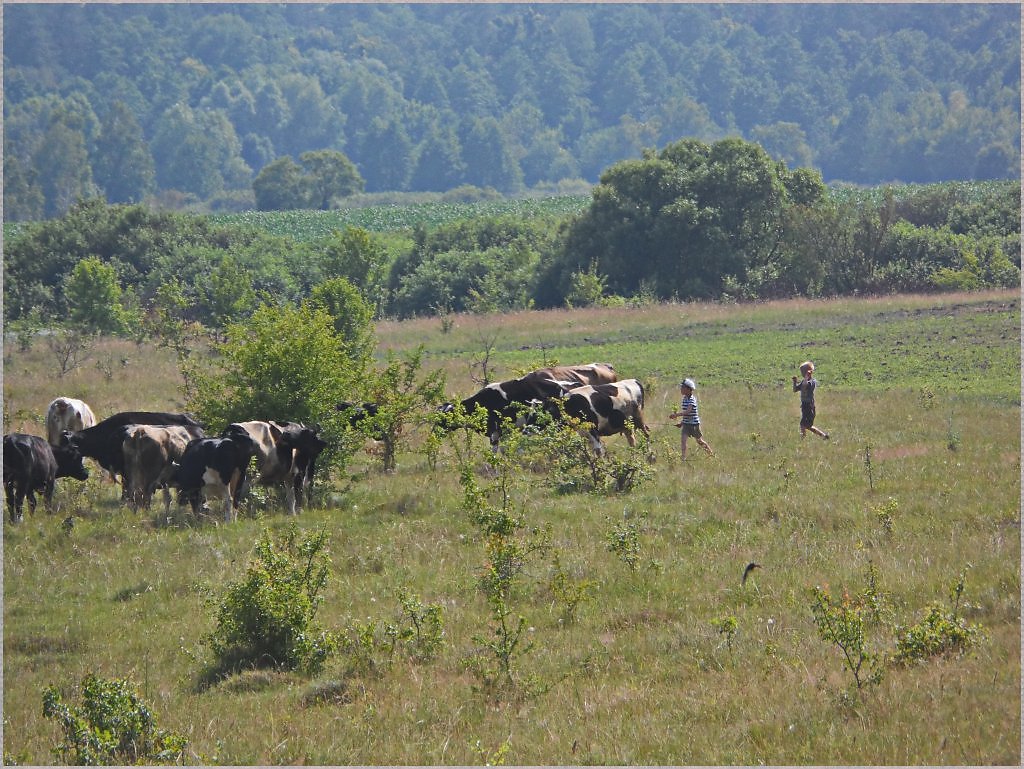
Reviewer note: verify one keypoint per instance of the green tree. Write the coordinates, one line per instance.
(351, 314)
(281, 186)
(94, 298)
(227, 292)
(281, 363)
(330, 175)
(123, 166)
(356, 254)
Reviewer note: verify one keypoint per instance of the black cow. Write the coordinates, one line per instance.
(307, 445)
(30, 465)
(104, 440)
(609, 409)
(510, 400)
(213, 466)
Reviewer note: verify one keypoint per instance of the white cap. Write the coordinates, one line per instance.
(688, 383)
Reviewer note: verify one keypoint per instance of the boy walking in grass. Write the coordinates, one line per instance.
(805, 386)
(691, 419)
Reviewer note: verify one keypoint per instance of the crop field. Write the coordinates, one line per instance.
(644, 638)
(314, 225)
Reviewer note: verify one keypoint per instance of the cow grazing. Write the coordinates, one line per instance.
(510, 400)
(213, 467)
(104, 442)
(609, 409)
(585, 374)
(67, 414)
(30, 465)
(284, 450)
(149, 455)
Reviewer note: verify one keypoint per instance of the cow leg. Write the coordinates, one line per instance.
(289, 498)
(13, 501)
(48, 495)
(630, 438)
(595, 443)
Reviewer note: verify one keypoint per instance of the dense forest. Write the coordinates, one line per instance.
(187, 105)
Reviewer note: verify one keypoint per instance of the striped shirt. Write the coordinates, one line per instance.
(688, 407)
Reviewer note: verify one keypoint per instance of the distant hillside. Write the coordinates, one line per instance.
(185, 103)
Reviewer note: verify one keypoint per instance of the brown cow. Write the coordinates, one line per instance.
(587, 374)
(150, 452)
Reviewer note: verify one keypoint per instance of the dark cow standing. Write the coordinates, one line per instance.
(610, 409)
(285, 454)
(509, 400)
(213, 467)
(307, 446)
(30, 465)
(104, 442)
(584, 374)
(149, 454)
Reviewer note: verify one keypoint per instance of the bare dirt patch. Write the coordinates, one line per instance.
(901, 452)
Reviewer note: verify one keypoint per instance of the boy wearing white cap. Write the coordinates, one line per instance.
(691, 419)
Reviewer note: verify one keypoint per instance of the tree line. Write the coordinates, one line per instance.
(188, 105)
(689, 221)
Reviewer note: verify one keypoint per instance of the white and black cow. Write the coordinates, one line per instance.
(609, 409)
(150, 452)
(104, 441)
(30, 465)
(67, 414)
(583, 374)
(284, 451)
(213, 467)
(510, 400)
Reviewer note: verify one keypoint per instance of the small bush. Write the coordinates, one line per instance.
(112, 726)
(940, 632)
(267, 618)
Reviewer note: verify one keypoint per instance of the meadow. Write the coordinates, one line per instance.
(668, 658)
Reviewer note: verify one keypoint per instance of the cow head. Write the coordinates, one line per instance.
(70, 463)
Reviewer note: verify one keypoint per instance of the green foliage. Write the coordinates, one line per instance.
(842, 623)
(94, 298)
(111, 726)
(403, 393)
(624, 541)
(569, 592)
(886, 514)
(940, 632)
(726, 626)
(423, 633)
(267, 619)
(314, 182)
(282, 363)
(509, 547)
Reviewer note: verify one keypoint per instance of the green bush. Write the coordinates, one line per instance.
(112, 726)
(267, 618)
(940, 632)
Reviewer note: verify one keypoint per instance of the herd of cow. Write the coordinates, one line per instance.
(151, 450)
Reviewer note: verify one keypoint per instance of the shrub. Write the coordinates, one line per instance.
(112, 726)
(842, 623)
(940, 632)
(267, 618)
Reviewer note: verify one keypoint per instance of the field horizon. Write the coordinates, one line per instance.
(675, 657)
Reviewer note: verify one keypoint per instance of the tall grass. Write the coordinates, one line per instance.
(643, 675)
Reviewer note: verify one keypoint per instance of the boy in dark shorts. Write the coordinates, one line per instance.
(691, 420)
(806, 388)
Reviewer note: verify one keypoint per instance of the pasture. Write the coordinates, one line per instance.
(669, 659)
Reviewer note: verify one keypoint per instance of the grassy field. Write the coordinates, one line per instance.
(675, 662)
